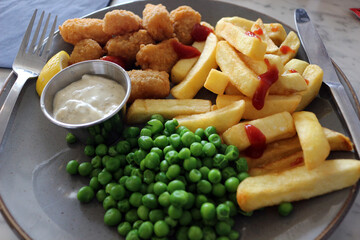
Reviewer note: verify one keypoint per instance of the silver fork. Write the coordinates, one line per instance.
(28, 63)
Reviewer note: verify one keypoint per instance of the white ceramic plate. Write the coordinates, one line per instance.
(38, 196)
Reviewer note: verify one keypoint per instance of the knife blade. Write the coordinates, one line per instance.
(317, 54)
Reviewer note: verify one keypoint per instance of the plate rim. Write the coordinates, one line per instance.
(325, 233)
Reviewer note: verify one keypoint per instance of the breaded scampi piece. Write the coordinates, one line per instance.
(86, 49)
(161, 56)
(156, 20)
(77, 29)
(119, 22)
(149, 84)
(184, 18)
(126, 46)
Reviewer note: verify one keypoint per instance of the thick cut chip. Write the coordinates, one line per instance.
(296, 184)
(142, 109)
(259, 29)
(313, 75)
(274, 127)
(242, 77)
(283, 148)
(241, 40)
(289, 48)
(313, 141)
(232, 90)
(196, 78)
(296, 65)
(288, 83)
(288, 162)
(183, 66)
(273, 104)
(216, 81)
(221, 119)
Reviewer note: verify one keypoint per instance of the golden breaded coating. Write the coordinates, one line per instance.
(86, 49)
(156, 20)
(119, 22)
(161, 56)
(126, 46)
(77, 29)
(148, 84)
(184, 18)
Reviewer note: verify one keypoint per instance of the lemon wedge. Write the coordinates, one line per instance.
(52, 67)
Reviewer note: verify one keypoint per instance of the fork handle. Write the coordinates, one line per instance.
(10, 101)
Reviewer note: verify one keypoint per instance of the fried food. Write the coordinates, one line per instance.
(77, 29)
(119, 22)
(127, 46)
(184, 18)
(148, 84)
(156, 20)
(86, 49)
(161, 56)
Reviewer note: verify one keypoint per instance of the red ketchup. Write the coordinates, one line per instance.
(251, 34)
(257, 140)
(114, 59)
(184, 51)
(274, 28)
(307, 81)
(258, 31)
(199, 32)
(266, 80)
(286, 49)
(292, 71)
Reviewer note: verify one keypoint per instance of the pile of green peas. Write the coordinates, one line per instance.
(163, 181)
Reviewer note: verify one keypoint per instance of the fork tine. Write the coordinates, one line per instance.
(36, 34)
(38, 48)
(25, 40)
(46, 50)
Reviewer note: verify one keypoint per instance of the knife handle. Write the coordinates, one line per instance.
(348, 113)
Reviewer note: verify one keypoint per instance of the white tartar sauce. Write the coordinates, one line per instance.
(88, 99)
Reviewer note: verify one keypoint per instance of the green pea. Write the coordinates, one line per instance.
(188, 138)
(195, 233)
(112, 164)
(158, 117)
(143, 212)
(104, 177)
(242, 176)
(161, 141)
(209, 233)
(200, 200)
(190, 201)
(204, 172)
(96, 162)
(131, 216)
(124, 228)
(204, 186)
(172, 157)
(175, 185)
(94, 183)
(200, 132)
(161, 229)
(135, 199)
(214, 175)
(170, 221)
(156, 215)
(131, 132)
(85, 168)
(123, 147)
(139, 155)
(145, 142)
(190, 163)
(145, 132)
(85, 194)
(215, 139)
(196, 149)
(133, 142)
(99, 139)
(89, 150)
(218, 190)
(152, 160)
(101, 150)
(171, 125)
(146, 230)
(159, 188)
(72, 167)
(209, 149)
(164, 166)
(117, 192)
(123, 205)
(175, 140)
(161, 177)
(133, 183)
(222, 228)
(112, 217)
(181, 233)
(156, 126)
(228, 172)
(118, 174)
(232, 153)
(186, 218)
(179, 198)
(220, 161)
(234, 235)
(149, 200)
(164, 199)
(285, 209)
(70, 138)
(175, 212)
(195, 213)
(210, 130)
(168, 149)
(100, 195)
(231, 184)
(184, 153)
(241, 165)
(208, 211)
(222, 212)
(195, 175)
(173, 171)
(158, 151)
(109, 202)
